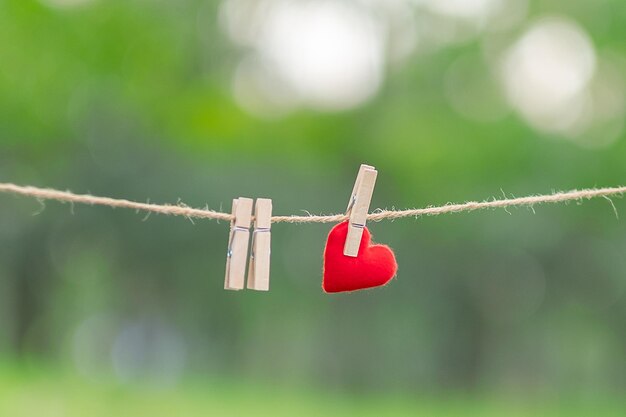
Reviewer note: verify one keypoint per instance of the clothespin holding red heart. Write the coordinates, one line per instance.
(351, 262)
(358, 207)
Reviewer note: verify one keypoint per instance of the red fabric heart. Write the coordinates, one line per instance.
(375, 265)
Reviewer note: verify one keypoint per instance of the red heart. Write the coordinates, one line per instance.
(375, 265)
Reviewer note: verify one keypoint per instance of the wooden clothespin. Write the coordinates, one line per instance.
(259, 269)
(238, 244)
(358, 207)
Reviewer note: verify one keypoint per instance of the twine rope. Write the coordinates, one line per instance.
(378, 215)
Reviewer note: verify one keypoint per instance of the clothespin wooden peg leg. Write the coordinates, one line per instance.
(259, 270)
(238, 244)
(358, 207)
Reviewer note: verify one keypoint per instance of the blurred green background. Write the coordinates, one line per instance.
(108, 312)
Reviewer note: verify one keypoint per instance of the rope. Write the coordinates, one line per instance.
(378, 215)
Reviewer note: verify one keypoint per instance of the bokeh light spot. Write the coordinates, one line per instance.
(66, 3)
(330, 55)
(546, 74)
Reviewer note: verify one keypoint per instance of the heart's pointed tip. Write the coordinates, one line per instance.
(336, 290)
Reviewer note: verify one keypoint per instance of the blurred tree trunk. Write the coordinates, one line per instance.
(32, 289)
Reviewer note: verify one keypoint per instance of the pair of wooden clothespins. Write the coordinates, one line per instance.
(259, 267)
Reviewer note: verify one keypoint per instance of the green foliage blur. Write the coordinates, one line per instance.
(135, 99)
